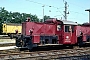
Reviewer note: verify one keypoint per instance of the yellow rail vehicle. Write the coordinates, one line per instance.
(10, 28)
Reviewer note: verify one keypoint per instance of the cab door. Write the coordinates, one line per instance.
(67, 34)
(74, 36)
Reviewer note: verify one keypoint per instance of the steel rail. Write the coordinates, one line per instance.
(46, 54)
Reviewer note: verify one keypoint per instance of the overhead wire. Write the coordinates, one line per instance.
(75, 4)
(76, 11)
(55, 7)
(46, 5)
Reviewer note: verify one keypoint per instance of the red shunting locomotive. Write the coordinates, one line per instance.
(52, 32)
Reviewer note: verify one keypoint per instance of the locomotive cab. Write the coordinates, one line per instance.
(69, 32)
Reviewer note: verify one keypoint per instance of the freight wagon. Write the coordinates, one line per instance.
(11, 28)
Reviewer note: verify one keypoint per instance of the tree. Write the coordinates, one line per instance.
(14, 17)
(3, 14)
(34, 18)
(3, 17)
(45, 18)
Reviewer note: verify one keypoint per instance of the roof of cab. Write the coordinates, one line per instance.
(69, 22)
(63, 21)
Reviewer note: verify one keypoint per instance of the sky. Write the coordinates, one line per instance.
(76, 8)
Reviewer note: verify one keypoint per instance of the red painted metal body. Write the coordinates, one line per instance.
(53, 32)
(51, 28)
(69, 37)
(74, 35)
(85, 30)
(38, 28)
(36, 39)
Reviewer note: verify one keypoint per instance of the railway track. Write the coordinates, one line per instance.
(7, 44)
(4, 37)
(6, 41)
(67, 54)
(52, 54)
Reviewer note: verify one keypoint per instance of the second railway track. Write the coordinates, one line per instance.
(4, 37)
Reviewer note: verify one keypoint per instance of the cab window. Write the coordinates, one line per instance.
(58, 27)
(67, 28)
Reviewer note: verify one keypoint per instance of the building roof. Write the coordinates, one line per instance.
(12, 24)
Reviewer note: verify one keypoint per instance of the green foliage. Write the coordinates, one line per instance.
(79, 24)
(45, 18)
(0, 28)
(16, 17)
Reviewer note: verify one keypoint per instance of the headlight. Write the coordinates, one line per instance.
(67, 37)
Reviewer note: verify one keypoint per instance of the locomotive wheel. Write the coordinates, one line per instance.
(19, 42)
(11, 36)
(8, 34)
(88, 40)
(30, 46)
